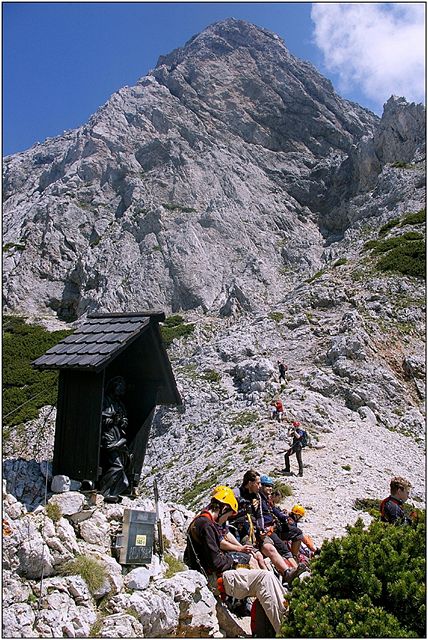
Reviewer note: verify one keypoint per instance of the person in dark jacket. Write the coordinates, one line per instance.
(391, 508)
(222, 569)
(296, 447)
(247, 495)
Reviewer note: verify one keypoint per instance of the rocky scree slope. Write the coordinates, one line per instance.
(217, 176)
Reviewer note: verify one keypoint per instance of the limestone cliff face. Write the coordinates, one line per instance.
(213, 182)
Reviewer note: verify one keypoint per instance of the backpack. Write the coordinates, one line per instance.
(304, 439)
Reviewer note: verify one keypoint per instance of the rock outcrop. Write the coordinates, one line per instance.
(215, 178)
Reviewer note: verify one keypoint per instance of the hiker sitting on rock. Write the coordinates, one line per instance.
(272, 410)
(203, 550)
(247, 495)
(271, 545)
(294, 535)
(391, 508)
(296, 448)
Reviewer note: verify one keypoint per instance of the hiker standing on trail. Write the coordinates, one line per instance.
(223, 576)
(296, 447)
(391, 508)
(282, 368)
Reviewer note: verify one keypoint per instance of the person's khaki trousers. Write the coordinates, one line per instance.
(260, 584)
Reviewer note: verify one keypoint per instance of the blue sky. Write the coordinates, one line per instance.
(61, 61)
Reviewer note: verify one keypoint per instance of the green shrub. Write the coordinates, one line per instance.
(91, 570)
(23, 385)
(408, 258)
(245, 418)
(173, 328)
(414, 218)
(316, 275)
(370, 583)
(339, 262)
(53, 511)
(277, 316)
(401, 165)
(391, 243)
(389, 225)
(174, 566)
(285, 489)
(346, 467)
(212, 375)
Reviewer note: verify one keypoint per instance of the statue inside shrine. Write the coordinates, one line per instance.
(116, 459)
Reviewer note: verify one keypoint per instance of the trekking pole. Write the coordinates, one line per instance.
(158, 520)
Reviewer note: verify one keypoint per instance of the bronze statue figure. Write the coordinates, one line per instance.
(116, 459)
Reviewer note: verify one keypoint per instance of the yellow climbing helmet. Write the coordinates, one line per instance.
(225, 495)
(298, 510)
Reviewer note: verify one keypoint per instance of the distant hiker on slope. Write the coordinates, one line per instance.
(282, 368)
(299, 442)
(391, 508)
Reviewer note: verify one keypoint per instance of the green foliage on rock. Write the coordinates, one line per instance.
(277, 316)
(173, 328)
(23, 385)
(408, 258)
(368, 584)
(418, 217)
(174, 565)
(90, 569)
(53, 511)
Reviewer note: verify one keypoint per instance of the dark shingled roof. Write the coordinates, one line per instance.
(99, 340)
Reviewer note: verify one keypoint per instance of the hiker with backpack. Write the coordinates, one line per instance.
(391, 508)
(282, 368)
(300, 440)
(226, 575)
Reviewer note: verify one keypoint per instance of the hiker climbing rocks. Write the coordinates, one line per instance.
(282, 368)
(298, 435)
(391, 508)
(279, 410)
(272, 410)
(203, 546)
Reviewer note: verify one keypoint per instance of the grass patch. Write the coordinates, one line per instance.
(13, 245)
(91, 570)
(316, 275)
(245, 418)
(284, 488)
(192, 494)
(171, 206)
(346, 467)
(211, 375)
(276, 316)
(25, 390)
(174, 566)
(340, 262)
(174, 328)
(389, 225)
(53, 511)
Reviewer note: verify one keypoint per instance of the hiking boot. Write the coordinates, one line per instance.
(291, 574)
(301, 474)
(287, 472)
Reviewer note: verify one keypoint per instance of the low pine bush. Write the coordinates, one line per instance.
(174, 327)
(368, 584)
(23, 386)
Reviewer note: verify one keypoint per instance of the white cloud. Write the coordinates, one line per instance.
(377, 47)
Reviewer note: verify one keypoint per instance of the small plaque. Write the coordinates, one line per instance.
(140, 540)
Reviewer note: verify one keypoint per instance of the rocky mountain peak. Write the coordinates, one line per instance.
(226, 169)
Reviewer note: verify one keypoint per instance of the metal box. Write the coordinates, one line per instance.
(137, 539)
